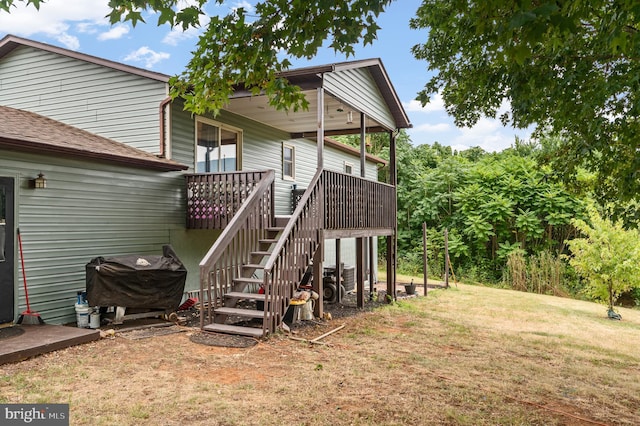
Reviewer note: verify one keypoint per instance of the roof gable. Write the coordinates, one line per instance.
(27, 131)
(11, 42)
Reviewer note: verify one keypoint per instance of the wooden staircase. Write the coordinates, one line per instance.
(241, 304)
(259, 261)
(256, 251)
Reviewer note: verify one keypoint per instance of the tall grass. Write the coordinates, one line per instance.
(542, 273)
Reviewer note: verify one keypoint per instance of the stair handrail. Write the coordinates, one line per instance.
(248, 211)
(277, 296)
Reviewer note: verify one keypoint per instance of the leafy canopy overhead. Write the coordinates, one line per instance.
(242, 48)
(570, 68)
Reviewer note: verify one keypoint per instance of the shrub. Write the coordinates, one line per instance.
(608, 257)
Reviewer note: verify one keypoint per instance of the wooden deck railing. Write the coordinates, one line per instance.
(214, 198)
(333, 202)
(293, 252)
(356, 203)
(223, 263)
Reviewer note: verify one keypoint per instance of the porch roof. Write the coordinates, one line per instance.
(26, 131)
(309, 79)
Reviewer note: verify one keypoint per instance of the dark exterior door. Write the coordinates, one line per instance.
(7, 250)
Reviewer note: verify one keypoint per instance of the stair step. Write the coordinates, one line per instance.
(249, 296)
(253, 266)
(275, 229)
(248, 280)
(234, 329)
(269, 240)
(239, 312)
(261, 253)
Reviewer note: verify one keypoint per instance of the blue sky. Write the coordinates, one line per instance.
(80, 25)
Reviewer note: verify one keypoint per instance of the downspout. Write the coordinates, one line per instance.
(363, 145)
(320, 129)
(163, 143)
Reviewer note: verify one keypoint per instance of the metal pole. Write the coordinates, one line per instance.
(446, 258)
(425, 266)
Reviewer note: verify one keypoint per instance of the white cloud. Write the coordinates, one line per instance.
(146, 56)
(87, 27)
(68, 41)
(432, 124)
(433, 127)
(488, 134)
(436, 104)
(114, 33)
(53, 19)
(177, 35)
(248, 7)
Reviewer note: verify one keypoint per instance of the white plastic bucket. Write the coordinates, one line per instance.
(94, 319)
(82, 315)
(306, 313)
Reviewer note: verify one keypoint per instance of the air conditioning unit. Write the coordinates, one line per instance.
(349, 278)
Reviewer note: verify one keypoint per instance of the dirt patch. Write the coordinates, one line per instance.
(223, 340)
(151, 332)
(9, 332)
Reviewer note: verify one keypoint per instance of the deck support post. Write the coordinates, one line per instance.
(360, 271)
(392, 240)
(318, 285)
(372, 283)
(338, 270)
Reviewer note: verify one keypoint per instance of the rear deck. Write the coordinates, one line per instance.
(27, 341)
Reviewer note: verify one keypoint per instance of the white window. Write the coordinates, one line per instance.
(288, 162)
(348, 168)
(218, 147)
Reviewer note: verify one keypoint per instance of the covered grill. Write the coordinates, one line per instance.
(148, 282)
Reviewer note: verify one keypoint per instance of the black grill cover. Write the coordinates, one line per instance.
(137, 281)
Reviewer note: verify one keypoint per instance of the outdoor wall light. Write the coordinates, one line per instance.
(350, 117)
(40, 182)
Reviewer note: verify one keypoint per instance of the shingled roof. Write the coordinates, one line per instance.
(25, 131)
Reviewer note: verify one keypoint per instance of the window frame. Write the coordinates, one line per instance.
(220, 126)
(348, 164)
(292, 147)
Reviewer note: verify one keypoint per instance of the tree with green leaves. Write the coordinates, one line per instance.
(607, 257)
(243, 51)
(494, 204)
(569, 68)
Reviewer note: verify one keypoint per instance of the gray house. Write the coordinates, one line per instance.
(96, 160)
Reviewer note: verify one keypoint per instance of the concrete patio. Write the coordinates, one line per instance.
(25, 341)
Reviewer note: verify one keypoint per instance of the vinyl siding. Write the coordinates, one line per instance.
(87, 210)
(262, 150)
(358, 89)
(183, 136)
(101, 100)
